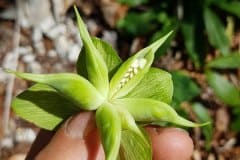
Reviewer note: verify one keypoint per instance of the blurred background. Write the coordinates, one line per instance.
(203, 56)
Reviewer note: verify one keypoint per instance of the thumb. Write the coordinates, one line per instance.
(77, 139)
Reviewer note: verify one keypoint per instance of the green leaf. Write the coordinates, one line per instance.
(216, 32)
(135, 24)
(109, 124)
(235, 125)
(133, 70)
(194, 41)
(72, 86)
(43, 106)
(231, 7)
(97, 71)
(224, 90)
(185, 89)
(149, 110)
(134, 147)
(203, 116)
(156, 84)
(133, 3)
(230, 61)
(108, 53)
(170, 25)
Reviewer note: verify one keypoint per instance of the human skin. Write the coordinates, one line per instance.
(79, 139)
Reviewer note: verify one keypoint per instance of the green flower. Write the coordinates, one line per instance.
(125, 96)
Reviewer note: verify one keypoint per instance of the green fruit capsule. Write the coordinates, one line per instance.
(109, 124)
(97, 71)
(71, 86)
(133, 70)
(149, 110)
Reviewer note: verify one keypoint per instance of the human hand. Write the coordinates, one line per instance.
(78, 139)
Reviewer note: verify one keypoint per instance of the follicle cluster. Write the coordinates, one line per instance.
(132, 71)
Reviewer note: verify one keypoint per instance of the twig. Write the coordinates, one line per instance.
(10, 79)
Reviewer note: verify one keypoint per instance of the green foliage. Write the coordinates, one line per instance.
(203, 116)
(231, 61)
(133, 2)
(185, 89)
(190, 19)
(216, 31)
(225, 90)
(138, 23)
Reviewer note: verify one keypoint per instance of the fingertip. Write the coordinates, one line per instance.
(76, 139)
(170, 143)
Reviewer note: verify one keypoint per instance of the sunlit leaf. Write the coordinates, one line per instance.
(224, 90)
(230, 61)
(216, 31)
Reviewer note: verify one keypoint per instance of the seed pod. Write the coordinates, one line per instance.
(96, 68)
(71, 86)
(132, 71)
(109, 124)
(149, 110)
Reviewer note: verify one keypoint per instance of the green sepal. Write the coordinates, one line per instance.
(97, 71)
(134, 143)
(109, 124)
(149, 110)
(108, 53)
(43, 106)
(125, 79)
(72, 86)
(156, 84)
(134, 147)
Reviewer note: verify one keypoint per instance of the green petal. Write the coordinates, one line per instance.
(156, 84)
(149, 111)
(43, 106)
(97, 71)
(109, 124)
(132, 71)
(72, 86)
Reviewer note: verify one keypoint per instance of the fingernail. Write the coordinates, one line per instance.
(78, 126)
